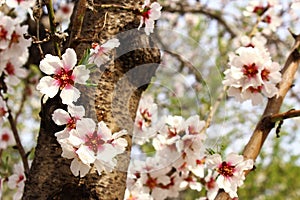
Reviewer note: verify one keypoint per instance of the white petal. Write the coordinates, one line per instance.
(69, 95)
(60, 117)
(104, 131)
(110, 44)
(50, 64)
(47, 86)
(69, 59)
(78, 167)
(85, 126)
(85, 155)
(81, 74)
(76, 111)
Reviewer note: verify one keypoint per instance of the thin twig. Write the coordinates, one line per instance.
(52, 22)
(286, 115)
(21, 150)
(198, 8)
(213, 109)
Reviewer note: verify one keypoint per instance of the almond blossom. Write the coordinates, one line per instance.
(62, 117)
(268, 14)
(86, 146)
(17, 181)
(252, 75)
(145, 120)
(149, 13)
(231, 171)
(63, 75)
(99, 53)
(6, 138)
(3, 110)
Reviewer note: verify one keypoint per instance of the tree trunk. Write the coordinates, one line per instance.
(115, 100)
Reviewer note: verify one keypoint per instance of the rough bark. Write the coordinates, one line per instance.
(115, 99)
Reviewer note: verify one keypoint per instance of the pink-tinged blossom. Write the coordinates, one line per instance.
(171, 127)
(150, 12)
(14, 71)
(64, 12)
(17, 181)
(146, 118)
(62, 117)
(6, 30)
(63, 74)
(98, 147)
(78, 168)
(3, 110)
(189, 180)
(252, 75)
(231, 171)
(269, 19)
(21, 7)
(6, 138)
(99, 54)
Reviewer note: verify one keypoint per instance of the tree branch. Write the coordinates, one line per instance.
(199, 9)
(265, 125)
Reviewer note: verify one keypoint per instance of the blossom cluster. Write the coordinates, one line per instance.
(13, 50)
(252, 75)
(267, 13)
(178, 159)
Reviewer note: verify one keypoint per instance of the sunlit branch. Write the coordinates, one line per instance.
(265, 125)
(199, 9)
(285, 115)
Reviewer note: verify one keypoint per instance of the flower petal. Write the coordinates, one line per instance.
(69, 59)
(47, 86)
(69, 95)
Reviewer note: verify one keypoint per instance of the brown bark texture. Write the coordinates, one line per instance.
(120, 84)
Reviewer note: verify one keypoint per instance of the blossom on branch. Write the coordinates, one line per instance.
(17, 180)
(63, 74)
(251, 75)
(62, 117)
(149, 13)
(231, 171)
(99, 53)
(87, 146)
(6, 138)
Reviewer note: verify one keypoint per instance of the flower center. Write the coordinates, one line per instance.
(2, 112)
(10, 69)
(255, 90)
(211, 183)
(71, 123)
(226, 169)
(267, 19)
(14, 38)
(250, 70)
(151, 182)
(265, 75)
(146, 13)
(65, 9)
(64, 78)
(259, 10)
(146, 116)
(192, 130)
(172, 132)
(3, 33)
(5, 137)
(94, 142)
